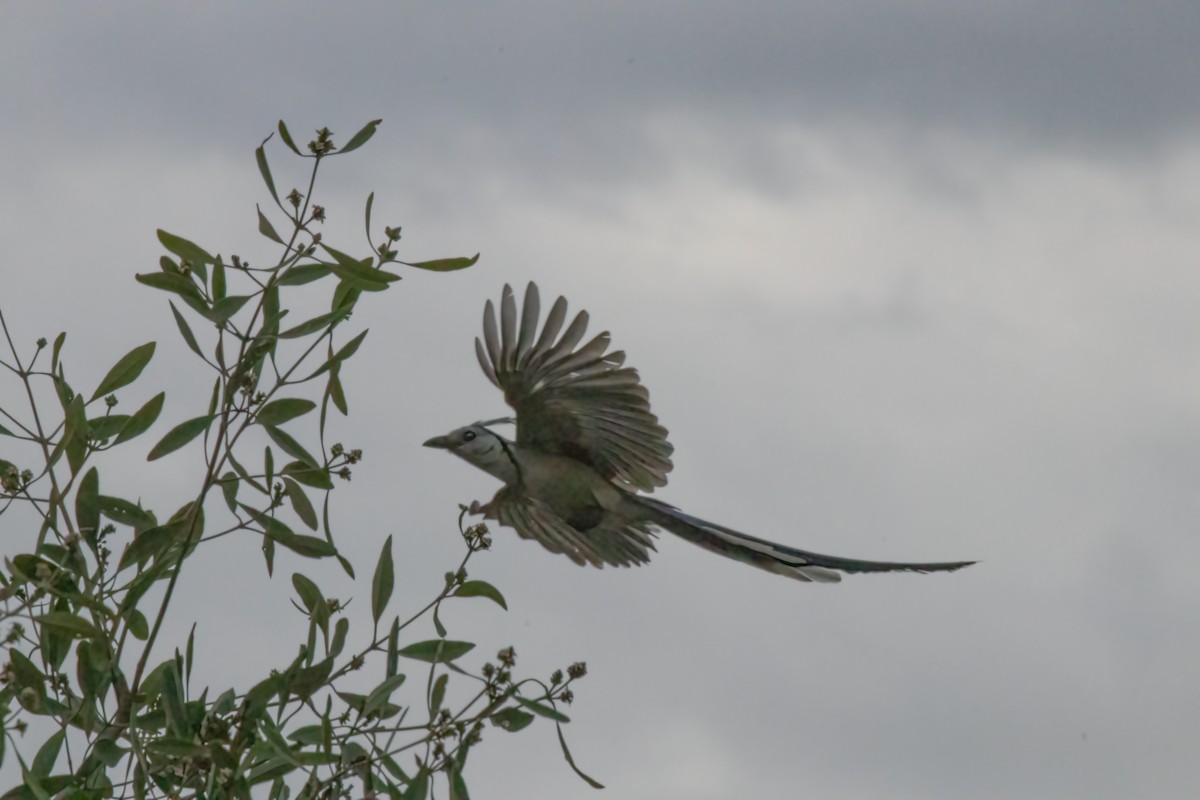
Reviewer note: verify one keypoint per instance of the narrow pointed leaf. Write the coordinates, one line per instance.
(302, 274)
(361, 138)
(125, 371)
(384, 580)
(260, 155)
(225, 308)
(287, 138)
(185, 330)
(142, 419)
(218, 280)
(184, 248)
(179, 436)
(481, 589)
(172, 282)
(70, 624)
(436, 651)
(266, 228)
(87, 505)
(280, 411)
(315, 324)
(443, 264)
(300, 503)
(290, 446)
(595, 784)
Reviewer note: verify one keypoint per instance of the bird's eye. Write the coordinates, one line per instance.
(468, 436)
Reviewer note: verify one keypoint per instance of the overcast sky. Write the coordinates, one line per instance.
(905, 281)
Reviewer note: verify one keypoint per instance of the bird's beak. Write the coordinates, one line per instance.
(439, 441)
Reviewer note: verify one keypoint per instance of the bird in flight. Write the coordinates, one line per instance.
(587, 446)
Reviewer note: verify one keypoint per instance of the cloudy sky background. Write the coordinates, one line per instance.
(905, 280)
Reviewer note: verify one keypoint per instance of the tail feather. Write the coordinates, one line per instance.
(780, 559)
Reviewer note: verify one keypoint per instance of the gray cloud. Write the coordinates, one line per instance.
(904, 281)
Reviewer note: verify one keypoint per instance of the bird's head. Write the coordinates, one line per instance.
(476, 443)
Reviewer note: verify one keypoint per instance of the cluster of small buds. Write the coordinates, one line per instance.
(318, 213)
(344, 473)
(41, 343)
(214, 728)
(110, 400)
(13, 480)
(577, 670)
(237, 262)
(323, 144)
(477, 537)
(294, 197)
(497, 678)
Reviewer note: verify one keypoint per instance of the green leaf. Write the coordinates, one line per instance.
(316, 324)
(335, 391)
(512, 719)
(309, 476)
(458, 785)
(287, 138)
(101, 428)
(266, 228)
(47, 754)
(185, 330)
(276, 531)
(125, 371)
(436, 651)
(185, 249)
(26, 673)
(280, 411)
(125, 512)
(595, 784)
(180, 435)
(87, 505)
(218, 280)
(481, 589)
(384, 580)
(226, 307)
(418, 788)
(393, 647)
(542, 710)
(379, 696)
(443, 264)
(58, 344)
(142, 419)
(310, 594)
(302, 274)
(359, 271)
(367, 214)
(290, 446)
(137, 624)
(300, 503)
(260, 155)
(174, 282)
(70, 624)
(148, 544)
(347, 350)
(360, 138)
(75, 433)
(229, 488)
(438, 694)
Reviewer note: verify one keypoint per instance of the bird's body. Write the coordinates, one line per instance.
(587, 445)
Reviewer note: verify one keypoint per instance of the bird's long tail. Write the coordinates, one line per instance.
(799, 564)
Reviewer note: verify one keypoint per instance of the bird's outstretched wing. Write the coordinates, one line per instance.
(613, 541)
(577, 401)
